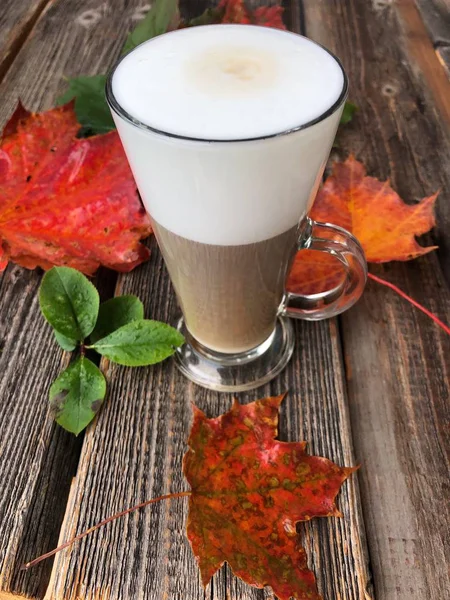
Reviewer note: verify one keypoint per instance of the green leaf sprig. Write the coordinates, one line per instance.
(115, 329)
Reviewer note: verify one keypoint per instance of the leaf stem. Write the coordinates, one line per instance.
(82, 349)
(37, 560)
(432, 316)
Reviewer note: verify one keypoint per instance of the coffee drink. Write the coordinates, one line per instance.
(203, 115)
(229, 295)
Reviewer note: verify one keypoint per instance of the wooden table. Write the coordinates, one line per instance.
(369, 387)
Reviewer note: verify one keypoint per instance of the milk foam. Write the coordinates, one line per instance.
(227, 82)
(254, 82)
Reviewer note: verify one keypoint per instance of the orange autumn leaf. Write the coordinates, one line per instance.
(236, 11)
(67, 201)
(269, 16)
(385, 226)
(248, 491)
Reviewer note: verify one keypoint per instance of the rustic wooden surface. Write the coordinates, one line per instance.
(443, 55)
(142, 433)
(398, 367)
(436, 16)
(16, 22)
(38, 459)
(376, 380)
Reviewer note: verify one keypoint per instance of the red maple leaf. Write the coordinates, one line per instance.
(236, 11)
(67, 201)
(248, 492)
(269, 16)
(384, 225)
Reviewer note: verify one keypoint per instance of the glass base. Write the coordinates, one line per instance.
(236, 372)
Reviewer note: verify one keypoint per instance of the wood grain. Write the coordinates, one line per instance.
(396, 360)
(134, 452)
(443, 55)
(141, 435)
(38, 459)
(436, 16)
(423, 59)
(16, 22)
(395, 363)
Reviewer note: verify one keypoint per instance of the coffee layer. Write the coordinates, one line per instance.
(229, 295)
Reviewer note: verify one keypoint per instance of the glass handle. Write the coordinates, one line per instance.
(341, 244)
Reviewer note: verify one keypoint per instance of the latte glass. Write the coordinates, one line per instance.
(229, 193)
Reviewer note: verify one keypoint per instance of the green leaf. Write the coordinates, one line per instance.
(157, 21)
(348, 112)
(91, 107)
(115, 313)
(69, 302)
(77, 394)
(66, 343)
(208, 17)
(140, 343)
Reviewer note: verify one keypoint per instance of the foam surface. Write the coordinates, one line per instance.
(227, 82)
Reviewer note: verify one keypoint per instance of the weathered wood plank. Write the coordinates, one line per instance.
(396, 358)
(141, 433)
(401, 129)
(134, 452)
(423, 59)
(38, 459)
(443, 55)
(436, 16)
(16, 22)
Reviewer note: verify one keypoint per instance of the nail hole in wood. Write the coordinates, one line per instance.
(389, 90)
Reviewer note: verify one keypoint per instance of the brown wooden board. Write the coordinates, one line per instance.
(397, 360)
(37, 458)
(16, 21)
(134, 452)
(443, 55)
(436, 16)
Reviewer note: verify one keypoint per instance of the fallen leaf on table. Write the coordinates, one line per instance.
(163, 16)
(236, 11)
(269, 16)
(77, 395)
(347, 114)
(67, 201)
(376, 215)
(248, 492)
(91, 108)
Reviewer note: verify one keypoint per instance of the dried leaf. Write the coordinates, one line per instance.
(67, 201)
(235, 11)
(249, 491)
(269, 16)
(238, 12)
(385, 226)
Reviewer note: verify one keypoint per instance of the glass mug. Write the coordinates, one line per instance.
(229, 214)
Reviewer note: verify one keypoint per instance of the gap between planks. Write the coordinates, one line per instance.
(422, 51)
(18, 36)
